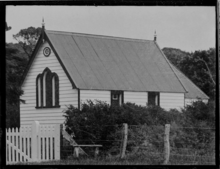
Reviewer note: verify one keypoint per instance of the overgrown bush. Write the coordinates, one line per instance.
(200, 114)
(99, 123)
(93, 124)
(199, 123)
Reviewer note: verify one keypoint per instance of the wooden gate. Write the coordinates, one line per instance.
(33, 143)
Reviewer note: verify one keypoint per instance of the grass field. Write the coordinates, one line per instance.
(132, 160)
(92, 162)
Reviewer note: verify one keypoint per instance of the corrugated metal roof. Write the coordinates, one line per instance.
(193, 90)
(110, 63)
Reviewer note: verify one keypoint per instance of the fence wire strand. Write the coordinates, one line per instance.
(149, 141)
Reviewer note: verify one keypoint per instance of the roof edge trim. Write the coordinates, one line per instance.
(191, 81)
(31, 60)
(170, 66)
(127, 90)
(60, 61)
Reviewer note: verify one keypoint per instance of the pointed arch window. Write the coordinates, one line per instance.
(47, 89)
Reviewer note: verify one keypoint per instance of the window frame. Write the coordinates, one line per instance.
(38, 91)
(45, 96)
(156, 98)
(120, 98)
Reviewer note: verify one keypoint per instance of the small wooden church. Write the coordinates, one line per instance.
(70, 68)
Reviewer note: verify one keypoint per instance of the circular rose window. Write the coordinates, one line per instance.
(46, 51)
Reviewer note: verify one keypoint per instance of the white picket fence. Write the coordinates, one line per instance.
(33, 143)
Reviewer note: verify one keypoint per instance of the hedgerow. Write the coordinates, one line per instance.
(99, 123)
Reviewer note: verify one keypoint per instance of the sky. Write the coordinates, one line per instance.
(185, 28)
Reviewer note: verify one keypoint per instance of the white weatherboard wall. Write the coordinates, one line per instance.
(139, 98)
(67, 95)
(171, 100)
(190, 101)
(95, 95)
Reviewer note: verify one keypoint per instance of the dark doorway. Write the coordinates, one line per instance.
(117, 98)
(153, 98)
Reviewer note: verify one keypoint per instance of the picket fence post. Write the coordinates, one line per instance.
(57, 142)
(124, 137)
(166, 144)
(34, 141)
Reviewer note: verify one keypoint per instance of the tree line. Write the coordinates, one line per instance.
(199, 66)
(17, 57)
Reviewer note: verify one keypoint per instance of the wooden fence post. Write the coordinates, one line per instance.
(62, 127)
(167, 144)
(124, 137)
(34, 141)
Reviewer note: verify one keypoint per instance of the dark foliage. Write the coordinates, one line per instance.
(27, 39)
(15, 65)
(97, 122)
(17, 56)
(198, 66)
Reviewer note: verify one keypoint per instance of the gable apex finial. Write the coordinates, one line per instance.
(43, 24)
(155, 36)
(43, 28)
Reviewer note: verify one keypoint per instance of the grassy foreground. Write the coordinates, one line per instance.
(99, 161)
(132, 160)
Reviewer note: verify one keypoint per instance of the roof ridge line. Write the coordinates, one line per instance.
(98, 36)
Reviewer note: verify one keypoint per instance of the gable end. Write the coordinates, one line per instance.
(39, 43)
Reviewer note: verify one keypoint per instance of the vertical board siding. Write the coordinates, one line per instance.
(95, 95)
(139, 98)
(172, 100)
(67, 95)
(190, 101)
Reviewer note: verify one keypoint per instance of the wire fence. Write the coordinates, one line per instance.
(192, 145)
(187, 145)
(110, 141)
